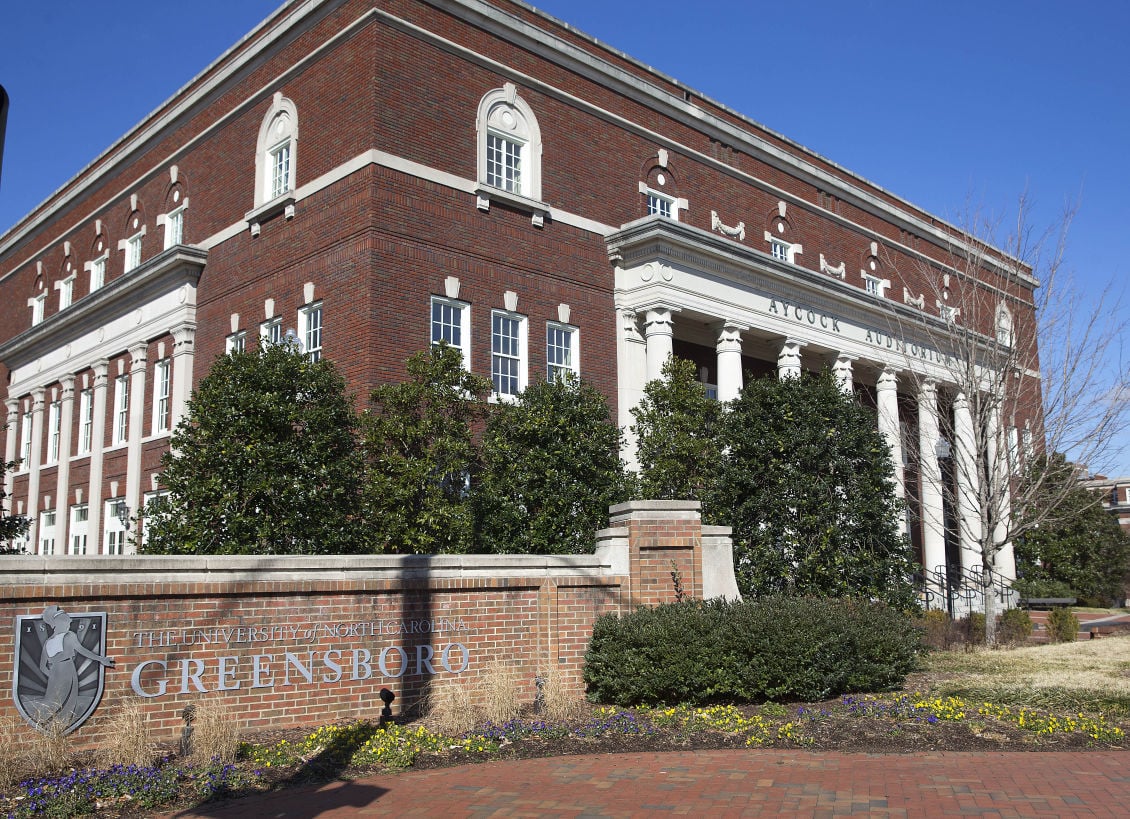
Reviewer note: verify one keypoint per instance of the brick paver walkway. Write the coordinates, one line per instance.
(726, 783)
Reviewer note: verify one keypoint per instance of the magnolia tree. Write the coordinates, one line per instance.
(1019, 367)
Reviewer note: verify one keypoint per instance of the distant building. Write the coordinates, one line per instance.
(371, 176)
(1115, 494)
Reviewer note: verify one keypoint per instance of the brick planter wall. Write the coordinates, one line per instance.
(302, 640)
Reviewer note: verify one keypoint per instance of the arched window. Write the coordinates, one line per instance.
(509, 149)
(276, 159)
(1004, 325)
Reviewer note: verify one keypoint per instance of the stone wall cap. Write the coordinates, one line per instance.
(655, 506)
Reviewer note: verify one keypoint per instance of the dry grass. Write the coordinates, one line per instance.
(562, 701)
(450, 710)
(1089, 675)
(503, 700)
(13, 762)
(50, 750)
(215, 732)
(128, 740)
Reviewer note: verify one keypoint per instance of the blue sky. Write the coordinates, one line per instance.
(943, 104)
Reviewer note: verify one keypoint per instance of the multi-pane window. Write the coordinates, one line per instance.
(162, 373)
(121, 409)
(560, 351)
(86, 421)
(507, 359)
(174, 228)
(271, 332)
(779, 249)
(151, 501)
(310, 328)
(658, 204)
(449, 324)
(54, 430)
(97, 273)
(25, 440)
(80, 514)
(874, 285)
(280, 169)
(66, 292)
(114, 541)
(38, 308)
(133, 252)
(47, 532)
(236, 342)
(504, 163)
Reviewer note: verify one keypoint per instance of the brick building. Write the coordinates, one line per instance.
(374, 175)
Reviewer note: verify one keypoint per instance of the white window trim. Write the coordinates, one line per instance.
(265, 331)
(85, 421)
(128, 246)
(504, 114)
(47, 533)
(677, 204)
(236, 342)
(162, 395)
(25, 441)
(523, 356)
(792, 249)
(947, 312)
(121, 410)
(78, 528)
(271, 139)
(304, 314)
(54, 430)
(168, 220)
(574, 348)
(97, 269)
(66, 288)
(464, 309)
(112, 528)
(146, 499)
(1005, 333)
(880, 285)
(38, 305)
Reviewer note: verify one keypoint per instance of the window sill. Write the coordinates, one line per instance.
(485, 194)
(282, 204)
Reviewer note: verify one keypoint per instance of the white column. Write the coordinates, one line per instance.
(138, 362)
(35, 460)
(930, 479)
(12, 419)
(841, 370)
(63, 474)
(788, 361)
(887, 408)
(968, 484)
(659, 332)
(183, 345)
(1005, 561)
(729, 350)
(631, 353)
(97, 442)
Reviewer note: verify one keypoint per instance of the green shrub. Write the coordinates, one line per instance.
(772, 649)
(1015, 626)
(1063, 625)
(1029, 588)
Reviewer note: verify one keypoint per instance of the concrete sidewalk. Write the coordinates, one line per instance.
(726, 783)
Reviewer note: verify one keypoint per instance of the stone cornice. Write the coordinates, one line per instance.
(166, 271)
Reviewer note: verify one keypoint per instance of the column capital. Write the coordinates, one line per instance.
(67, 382)
(629, 325)
(183, 337)
(659, 319)
(888, 378)
(37, 394)
(101, 370)
(12, 405)
(928, 387)
(730, 336)
(138, 356)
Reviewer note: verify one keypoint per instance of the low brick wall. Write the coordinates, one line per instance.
(302, 640)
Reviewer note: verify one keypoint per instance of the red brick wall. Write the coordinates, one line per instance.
(160, 610)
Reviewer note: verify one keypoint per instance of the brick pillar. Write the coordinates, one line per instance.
(664, 537)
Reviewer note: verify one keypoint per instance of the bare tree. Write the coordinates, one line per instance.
(1018, 368)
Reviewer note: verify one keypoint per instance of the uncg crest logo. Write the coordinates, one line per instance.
(60, 667)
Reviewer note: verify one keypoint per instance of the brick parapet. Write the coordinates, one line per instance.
(301, 640)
